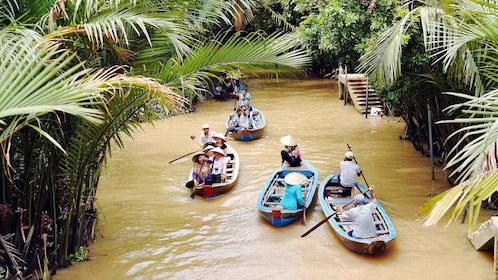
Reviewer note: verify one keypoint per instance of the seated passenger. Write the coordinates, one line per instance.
(220, 141)
(239, 122)
(293, 196)
(291, 156)
(219, 173)
(201, 171)
(361, 216)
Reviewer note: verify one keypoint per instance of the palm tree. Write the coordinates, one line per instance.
(461, 38)
(94, 66)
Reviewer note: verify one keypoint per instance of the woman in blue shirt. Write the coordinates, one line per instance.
(293, 196)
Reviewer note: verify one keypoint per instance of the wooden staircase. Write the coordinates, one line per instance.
(359, 92)
(486, 238)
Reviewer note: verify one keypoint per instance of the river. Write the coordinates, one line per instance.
(151, 229)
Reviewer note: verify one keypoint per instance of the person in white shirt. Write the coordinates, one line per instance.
(240, 121)
(361, 216)
(219, 167)
(206, 136)
(349, 171)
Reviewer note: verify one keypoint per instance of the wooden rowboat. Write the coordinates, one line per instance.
(217, 189)
(331, 195)
(274, 188)
(225, 96)
(251, 133)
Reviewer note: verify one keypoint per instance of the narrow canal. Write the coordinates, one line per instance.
(151, 229)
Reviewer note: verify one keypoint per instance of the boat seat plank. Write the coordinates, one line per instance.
(348, 223)
(339, 200)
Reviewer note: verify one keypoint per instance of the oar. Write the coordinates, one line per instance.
(357, 163)
(193, 192)
(328, 217)
(191, 138)
(304, 209)
(184, 156)
(303, 221)
(231, 116)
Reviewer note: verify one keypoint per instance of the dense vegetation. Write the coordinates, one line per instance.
(77, 75)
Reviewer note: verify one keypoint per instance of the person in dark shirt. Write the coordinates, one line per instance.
(291, 156)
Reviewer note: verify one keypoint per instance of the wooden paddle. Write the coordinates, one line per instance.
(303, 221)
(184, 156)
(328, 217)
(192, 138)
(357, 163)
(192, 196)
(231, 116)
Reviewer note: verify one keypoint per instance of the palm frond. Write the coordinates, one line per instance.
(382, 61)
(479, 131)
(255, 52)
(33, 82)
(11, 255)
(465, 197)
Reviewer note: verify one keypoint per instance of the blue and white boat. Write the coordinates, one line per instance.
(255, 131)
(274, 188)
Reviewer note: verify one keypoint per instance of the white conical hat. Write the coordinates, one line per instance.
(218, 150)
(294, 178)
(288, 141)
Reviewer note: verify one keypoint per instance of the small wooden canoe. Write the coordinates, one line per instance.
(225, 96)
(217, 189)
(331, 195)
(274, 188)
(251, 133)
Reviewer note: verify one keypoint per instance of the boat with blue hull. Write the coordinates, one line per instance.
(253, 132)
(332, 195)
(274, 188)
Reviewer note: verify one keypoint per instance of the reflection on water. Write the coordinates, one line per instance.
(151, 229)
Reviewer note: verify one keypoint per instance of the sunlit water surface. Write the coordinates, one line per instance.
(151, 229)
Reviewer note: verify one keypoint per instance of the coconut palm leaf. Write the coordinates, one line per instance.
(475, 158)
(462, 36)
(33, 83)
(11, 255)
(255, 52)
(105, 23)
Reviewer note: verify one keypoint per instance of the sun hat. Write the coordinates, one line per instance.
(218, 150)
(196, 156)
(208, 148)
(349, 155)
(288, 141)
(360, 199)
(294, 178)
(206, 125)
(220, 136)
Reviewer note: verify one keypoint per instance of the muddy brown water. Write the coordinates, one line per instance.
(151, 229)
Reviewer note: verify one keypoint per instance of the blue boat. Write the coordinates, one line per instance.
(255, 131)
(274, 188)
(331, 195)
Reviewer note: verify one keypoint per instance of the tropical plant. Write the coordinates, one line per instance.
(77, 76)
(337, 32)
(461, 37)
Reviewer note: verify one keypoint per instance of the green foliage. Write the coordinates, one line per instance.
(81, 77)
(338, 32)
(80, 255)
